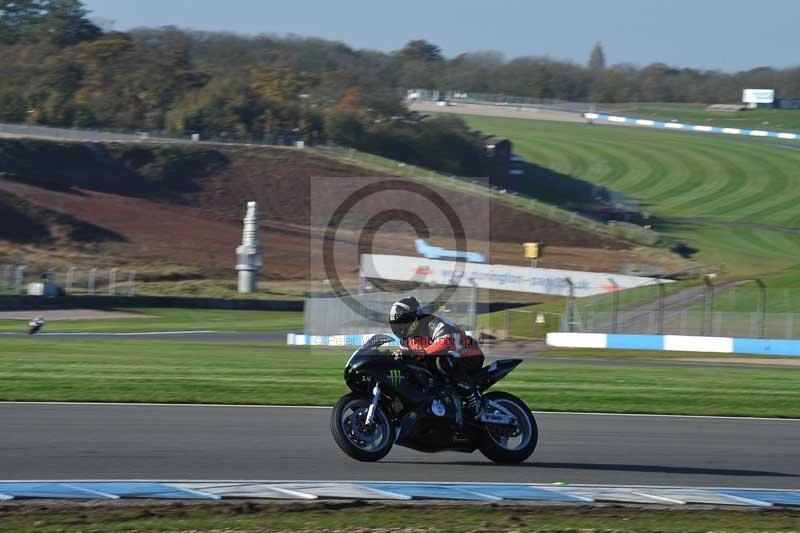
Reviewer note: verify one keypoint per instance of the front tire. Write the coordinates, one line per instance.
(503, 446)
(353, 437)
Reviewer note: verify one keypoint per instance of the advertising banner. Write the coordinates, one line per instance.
(758, 96)
(496, 277)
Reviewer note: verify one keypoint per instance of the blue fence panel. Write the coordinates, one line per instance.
(767, 346)
(635, 342)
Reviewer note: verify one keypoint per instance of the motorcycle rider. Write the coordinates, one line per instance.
(456, 353)
(35, 325)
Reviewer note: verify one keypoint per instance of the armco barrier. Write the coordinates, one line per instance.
(690, 127)
(678, 343)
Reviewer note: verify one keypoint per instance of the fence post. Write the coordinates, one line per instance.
(473, 306)
(661, 294)
(131, 283)
(90, 280)
(112, 281)
(570, 306)
(708, 305)
(18, 277)
(762, 307)
(7, 277)
(615, 307)
(70, 279)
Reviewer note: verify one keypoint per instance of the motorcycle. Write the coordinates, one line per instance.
(35, 325)
(397, 400)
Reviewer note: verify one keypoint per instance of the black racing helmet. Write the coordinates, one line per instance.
(404, 316)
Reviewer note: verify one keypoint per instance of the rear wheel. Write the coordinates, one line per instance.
(357, 439)
(509, 444)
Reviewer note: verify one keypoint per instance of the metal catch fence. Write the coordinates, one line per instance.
(369, 312)
(23, 280)
(748, 309)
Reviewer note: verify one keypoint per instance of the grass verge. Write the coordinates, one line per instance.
(250, 373)
(732, 200)
(359, 516)
(169, 319)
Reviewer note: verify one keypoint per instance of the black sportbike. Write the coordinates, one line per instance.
(400, 401)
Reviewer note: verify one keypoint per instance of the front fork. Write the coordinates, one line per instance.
(376, 397)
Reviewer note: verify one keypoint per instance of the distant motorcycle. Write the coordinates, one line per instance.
(35, 325)
(400, 401)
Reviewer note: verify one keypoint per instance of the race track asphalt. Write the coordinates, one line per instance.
(84, 441)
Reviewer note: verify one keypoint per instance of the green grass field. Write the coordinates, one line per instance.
(785, 120)
(364, 517)
(251, 373)
(166, 319)
(729, 198)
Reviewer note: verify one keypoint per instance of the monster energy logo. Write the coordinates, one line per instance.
(395, 377)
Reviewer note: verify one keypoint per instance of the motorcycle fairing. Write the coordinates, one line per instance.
(489, 375)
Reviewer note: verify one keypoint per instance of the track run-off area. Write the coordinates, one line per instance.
(205, 442)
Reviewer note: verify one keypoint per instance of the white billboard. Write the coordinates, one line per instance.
(758, 96)
(496, 277)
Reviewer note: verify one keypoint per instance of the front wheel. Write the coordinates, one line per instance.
(503, 444)
(355, 438)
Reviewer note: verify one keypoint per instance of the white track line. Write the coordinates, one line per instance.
(259, 406)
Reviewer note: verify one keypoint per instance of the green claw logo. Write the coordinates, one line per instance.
(395, 377)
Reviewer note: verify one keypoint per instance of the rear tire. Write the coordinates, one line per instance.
(360, 443)
(489, 443)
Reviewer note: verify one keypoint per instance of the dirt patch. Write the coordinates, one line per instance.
(197, 223)
(155, 233)
(69, 314)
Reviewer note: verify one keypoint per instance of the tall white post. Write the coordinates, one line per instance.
(131, 283)
(112, 281)
(70, 279)
(19, 276)
(90, 280)
(248, 254)
(7, 283)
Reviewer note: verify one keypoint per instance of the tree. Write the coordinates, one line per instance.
(18, 19)
(349, 102)
(279, 84)
(64, 23)
(421, 50)
(344, 128)
(597, 59)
